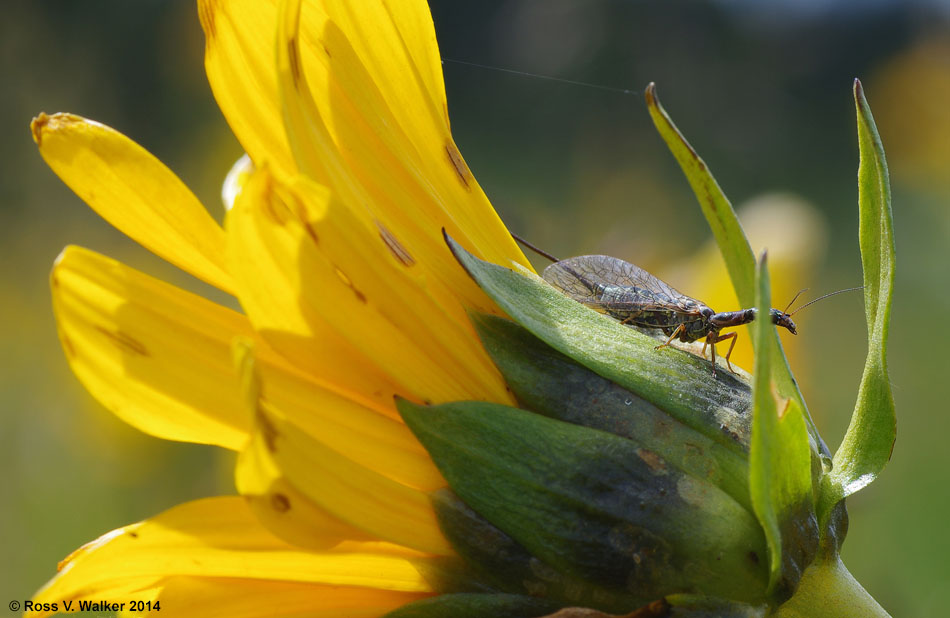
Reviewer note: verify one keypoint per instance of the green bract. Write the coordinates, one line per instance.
(634, 483)
(867, 445)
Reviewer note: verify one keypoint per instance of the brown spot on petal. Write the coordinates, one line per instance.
(133, 534)
(268, 432)
(308, 227)
(279, 502)
(326, 49)
(124, 341)
(393, 244)
(346, 280)
(293, 55)
(299, 211)
(461, 169)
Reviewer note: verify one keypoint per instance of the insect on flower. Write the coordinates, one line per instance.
(633, 296)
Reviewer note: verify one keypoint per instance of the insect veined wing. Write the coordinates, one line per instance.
(601, 280)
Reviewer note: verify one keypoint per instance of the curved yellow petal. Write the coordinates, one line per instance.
(283, 509)
(239, 61)
(268, 284)
(366, 436)
(344, 133)
(219, 539)
(160, 358)
(377, 82)
(249, 598)
(156, 356)
(352, 493)
(135, 192)
(309, 272)
(397, 44)
(271, 491)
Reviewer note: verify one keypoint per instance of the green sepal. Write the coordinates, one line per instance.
(676, 381)
(474, 605)
(452, 574)
(549, 383)
(734, 247)
(780, 462)
(502, 565)
(592, 504)
(866, 447)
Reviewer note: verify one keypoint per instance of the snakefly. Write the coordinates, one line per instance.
(633, 296)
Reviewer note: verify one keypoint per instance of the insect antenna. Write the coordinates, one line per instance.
(540, 252)
(794, 298)
(812, 302)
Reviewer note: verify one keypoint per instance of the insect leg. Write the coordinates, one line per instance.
(676, 332)
(734, 337)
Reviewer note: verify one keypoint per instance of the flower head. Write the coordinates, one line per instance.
(370, 384)
(333, 248)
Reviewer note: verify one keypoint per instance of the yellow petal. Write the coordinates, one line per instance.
(156, 356)
(275, 499)
(268, 289)
(384, 95)
(160, 358)
(397, 44)
(135, 192)
(248, 598)
(362, 433)
(239, 61)
(219, 539)
(348, 491)
(310, 271)
(283, 509)
(344, 132)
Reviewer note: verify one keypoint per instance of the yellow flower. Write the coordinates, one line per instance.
(333, 248)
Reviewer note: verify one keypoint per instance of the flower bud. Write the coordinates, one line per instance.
(608, 489)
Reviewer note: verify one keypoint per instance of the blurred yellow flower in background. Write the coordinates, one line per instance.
(915, 88)
(333, 248)
(795, 235)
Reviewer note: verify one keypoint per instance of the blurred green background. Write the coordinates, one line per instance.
(763, 91)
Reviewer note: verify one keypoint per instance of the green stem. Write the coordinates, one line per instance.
(827, 589)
